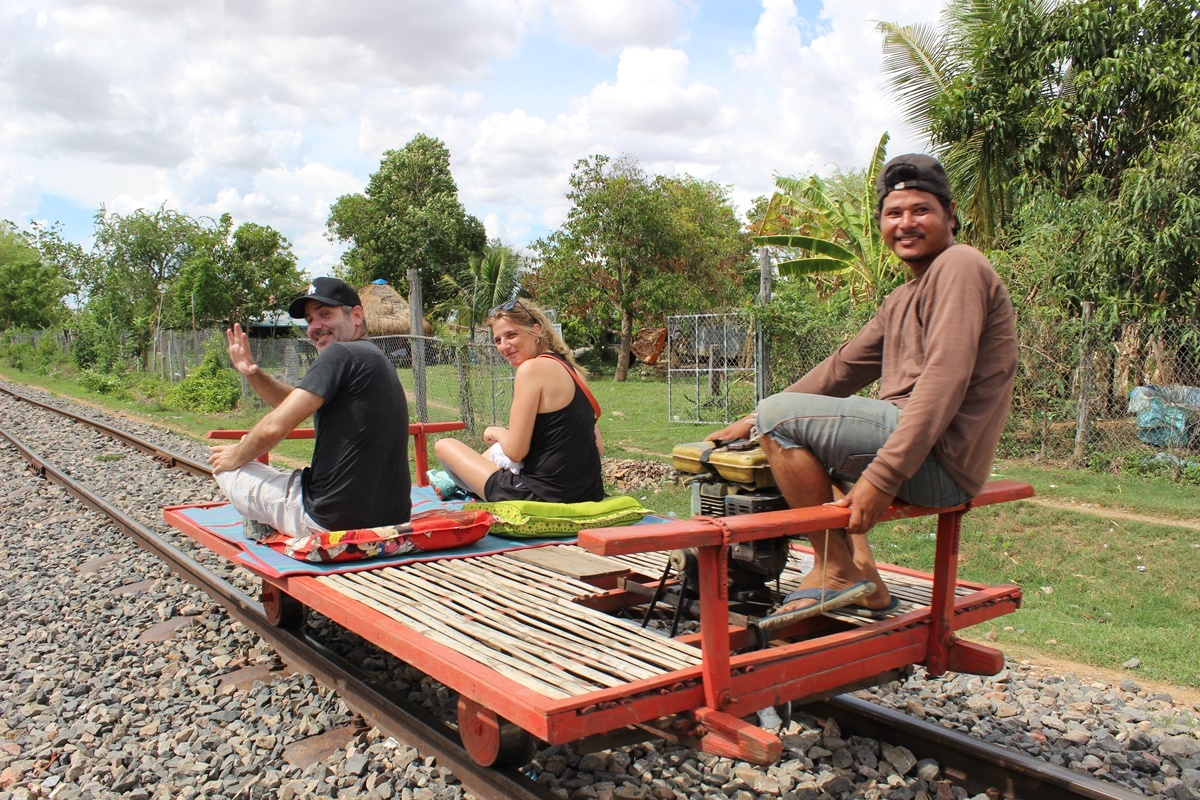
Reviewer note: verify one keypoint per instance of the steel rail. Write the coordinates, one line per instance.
(151, 449)
(975, 765)
(385, 710)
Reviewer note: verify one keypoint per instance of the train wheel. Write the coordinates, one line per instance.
(491, 740)
(282, 610)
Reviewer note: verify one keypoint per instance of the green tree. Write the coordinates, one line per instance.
(1016, 93)
(829, 228)
(31, 291)
(138, 257)
(233, 275)
(70, 260)
(635, 248)
(408, 217)
(711, 253)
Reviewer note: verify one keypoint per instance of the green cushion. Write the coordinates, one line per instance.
(530, 519)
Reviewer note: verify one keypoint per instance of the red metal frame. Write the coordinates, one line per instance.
(704, 704)
(418, 430)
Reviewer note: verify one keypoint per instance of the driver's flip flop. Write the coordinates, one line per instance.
(826, 600)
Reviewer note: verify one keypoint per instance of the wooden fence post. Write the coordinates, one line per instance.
(1083, 419)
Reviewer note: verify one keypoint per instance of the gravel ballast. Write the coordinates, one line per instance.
(89, 710)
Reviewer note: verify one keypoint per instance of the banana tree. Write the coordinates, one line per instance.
(829, 228)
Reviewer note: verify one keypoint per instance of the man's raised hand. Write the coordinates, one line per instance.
(239, 350)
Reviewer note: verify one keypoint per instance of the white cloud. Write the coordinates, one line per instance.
(610, 25)
(271, 110)
(652, 95)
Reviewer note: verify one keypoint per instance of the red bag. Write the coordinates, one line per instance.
(428, 531)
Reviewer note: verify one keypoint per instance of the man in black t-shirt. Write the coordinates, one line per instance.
(359, 475)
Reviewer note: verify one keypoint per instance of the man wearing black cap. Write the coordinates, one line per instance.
(359, 475)
(943, 347)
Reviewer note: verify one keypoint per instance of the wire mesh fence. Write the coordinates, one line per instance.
(445, 381)
(711, 367)
(1114, 394)
(1110, 394)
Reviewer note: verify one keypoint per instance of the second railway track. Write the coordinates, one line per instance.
(136, 505)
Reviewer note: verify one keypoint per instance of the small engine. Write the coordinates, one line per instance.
(726, 481)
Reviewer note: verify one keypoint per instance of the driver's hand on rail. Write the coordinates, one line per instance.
(867, 505)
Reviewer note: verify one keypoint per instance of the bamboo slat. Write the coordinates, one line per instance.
(460, 641)
(646, 648)
(519, 619)
(536, 616)
(511, 629)
(345, 584)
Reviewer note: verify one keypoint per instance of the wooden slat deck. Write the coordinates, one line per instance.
(524, 621)
(520, 620)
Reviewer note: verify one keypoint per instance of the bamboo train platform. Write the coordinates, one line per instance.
(546, 643)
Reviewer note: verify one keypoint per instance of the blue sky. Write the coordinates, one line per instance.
(271, 110)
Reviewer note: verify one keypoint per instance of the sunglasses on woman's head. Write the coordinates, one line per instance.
(509, 306)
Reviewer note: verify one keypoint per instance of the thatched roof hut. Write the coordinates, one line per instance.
(387, 312)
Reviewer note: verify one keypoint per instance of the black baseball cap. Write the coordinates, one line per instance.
(330, 291)
(912, 171)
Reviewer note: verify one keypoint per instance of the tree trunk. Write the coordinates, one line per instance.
(624, 354)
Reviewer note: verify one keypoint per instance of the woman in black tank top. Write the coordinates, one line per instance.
(552, 427)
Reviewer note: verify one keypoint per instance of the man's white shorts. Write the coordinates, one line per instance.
(266, 495)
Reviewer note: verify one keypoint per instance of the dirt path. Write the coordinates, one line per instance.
(1110, 513)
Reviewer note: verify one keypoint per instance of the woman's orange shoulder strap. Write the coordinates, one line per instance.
(578, 382)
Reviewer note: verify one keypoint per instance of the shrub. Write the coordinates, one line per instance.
(96, 346)
(102, 383)
(18, 353)
(212, 388)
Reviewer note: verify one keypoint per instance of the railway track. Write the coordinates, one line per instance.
(977, 766)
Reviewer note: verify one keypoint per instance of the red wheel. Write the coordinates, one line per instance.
(282, 610)
(491, 740)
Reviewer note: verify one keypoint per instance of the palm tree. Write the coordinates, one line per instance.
(972, 87)
(834, 228)
(492, 280)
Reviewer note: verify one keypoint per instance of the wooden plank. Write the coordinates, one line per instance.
(702, 531)
(571, 561)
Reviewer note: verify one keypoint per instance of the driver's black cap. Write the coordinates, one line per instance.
(912, 171)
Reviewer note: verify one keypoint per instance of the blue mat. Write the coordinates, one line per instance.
(225, 522)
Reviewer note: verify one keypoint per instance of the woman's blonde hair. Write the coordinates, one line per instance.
(524, 313)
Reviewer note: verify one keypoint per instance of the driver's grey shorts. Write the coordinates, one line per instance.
(845, 433)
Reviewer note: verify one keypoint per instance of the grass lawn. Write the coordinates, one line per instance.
(1098, 590)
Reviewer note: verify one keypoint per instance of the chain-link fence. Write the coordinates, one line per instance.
(1110, 394)
(711, 367)
(1115, 394)
(445, 381)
